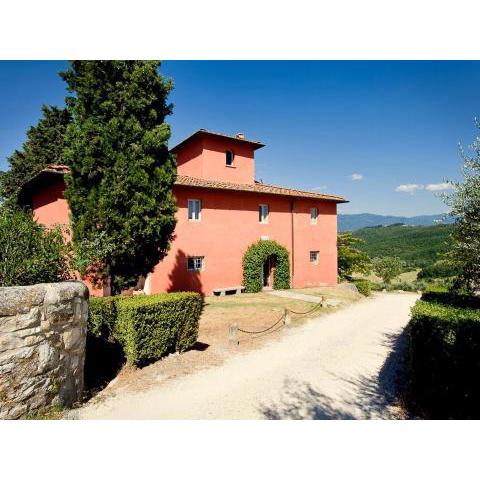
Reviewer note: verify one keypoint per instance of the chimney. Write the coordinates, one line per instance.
(240, 136)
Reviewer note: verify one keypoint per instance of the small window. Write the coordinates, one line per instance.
(263, 213)
(313, 215)
(229, 158)
(195, 264)
(194, 210)
(314, 257)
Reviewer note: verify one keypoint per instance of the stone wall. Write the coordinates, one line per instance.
(42, 346)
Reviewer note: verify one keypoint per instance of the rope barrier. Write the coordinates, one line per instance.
(318, 305)
(262, 331)
(234, 329)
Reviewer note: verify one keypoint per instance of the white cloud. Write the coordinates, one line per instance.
(409, 188)
(320, 188)
(438, 187)
(431, 187)
(356, 176)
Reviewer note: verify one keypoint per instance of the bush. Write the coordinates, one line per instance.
(253, 260)
(104, 355)
(102, 316)
(30, 253)
(444, 297)
(440, 269)
(444, 359)
(363, 286)
(151, 326)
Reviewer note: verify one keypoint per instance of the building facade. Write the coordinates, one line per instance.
(222, 210)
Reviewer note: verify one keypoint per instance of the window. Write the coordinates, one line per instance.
(263, 213)
(314, 257)
(194, 210)
(229, 158)
(313, 215)
(195, 264)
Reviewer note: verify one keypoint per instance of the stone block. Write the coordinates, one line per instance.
(42, 346)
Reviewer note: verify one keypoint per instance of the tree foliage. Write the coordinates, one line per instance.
(30, 253)
(122, 174)
(387, 268)
(350, 259)
(253, 260)
(417, 246)
(464, 203)
(44, 145)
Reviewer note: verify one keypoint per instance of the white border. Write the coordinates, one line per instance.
(241, 29)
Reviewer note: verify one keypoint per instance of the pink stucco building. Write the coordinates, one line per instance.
(222, 209)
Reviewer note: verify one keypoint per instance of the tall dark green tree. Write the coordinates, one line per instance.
(44, 145)
(122, 174)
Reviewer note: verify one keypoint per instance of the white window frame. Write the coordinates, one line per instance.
(313, 216)
(198, 263)
(262, 216)
(315, 258)
(194, 201)
(233, 158)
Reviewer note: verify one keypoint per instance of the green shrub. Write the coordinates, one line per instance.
(29, 252)
(439, 269)
(442, 296)
(151, 326)
(363, 286)
(253, 261)
(444, 360)
(102, 316)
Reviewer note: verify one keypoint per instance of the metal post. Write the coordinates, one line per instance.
(233, 334)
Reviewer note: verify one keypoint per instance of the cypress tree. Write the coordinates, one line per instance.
(122, 174)
(44, 145)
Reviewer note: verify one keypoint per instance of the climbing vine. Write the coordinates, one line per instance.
(253, 260)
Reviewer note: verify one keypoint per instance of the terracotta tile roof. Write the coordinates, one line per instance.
(256, 187)
(202, 131)
(56, 169)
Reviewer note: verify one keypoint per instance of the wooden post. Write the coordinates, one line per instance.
(286, 318)
(233, 334)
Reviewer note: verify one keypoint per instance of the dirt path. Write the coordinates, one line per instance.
(340, 366)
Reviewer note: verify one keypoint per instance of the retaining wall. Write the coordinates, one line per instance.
(42, 346)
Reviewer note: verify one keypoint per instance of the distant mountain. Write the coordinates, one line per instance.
(356, 221)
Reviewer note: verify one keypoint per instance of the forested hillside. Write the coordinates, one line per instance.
(418, 246)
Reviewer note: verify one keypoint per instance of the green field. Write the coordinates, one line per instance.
(417, 246)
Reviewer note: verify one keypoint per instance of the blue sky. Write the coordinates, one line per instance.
(383, 134)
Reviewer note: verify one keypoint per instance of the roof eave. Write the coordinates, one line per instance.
(254, 144)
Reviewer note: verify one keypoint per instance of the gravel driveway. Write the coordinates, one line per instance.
(339, 366)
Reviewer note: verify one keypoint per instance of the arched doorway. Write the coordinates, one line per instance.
(268, 272)
(266, 265)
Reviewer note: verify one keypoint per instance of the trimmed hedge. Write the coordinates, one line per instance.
(151, 326)
(444, 297)
(363, 286)
(147, 326)
(102, 316)
(253, 260)
(444, 359)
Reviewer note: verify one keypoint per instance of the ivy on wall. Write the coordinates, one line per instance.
(253, 260)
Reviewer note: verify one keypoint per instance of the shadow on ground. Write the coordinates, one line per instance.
(103, 361)
(365, 397)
